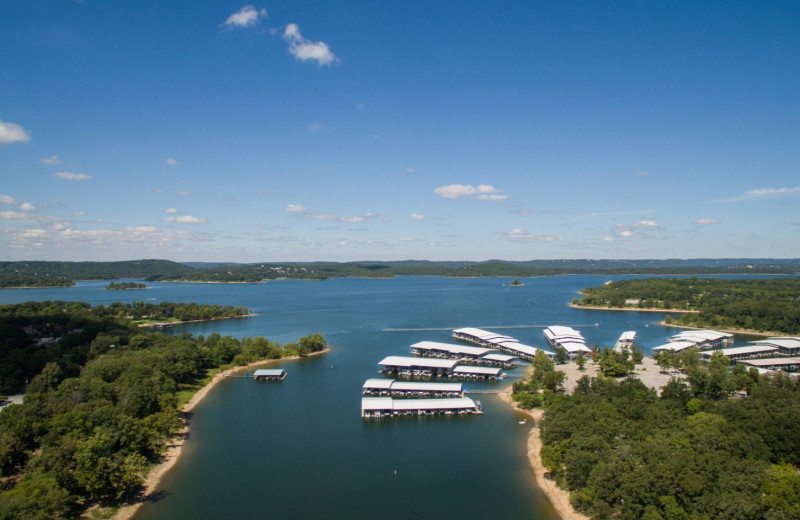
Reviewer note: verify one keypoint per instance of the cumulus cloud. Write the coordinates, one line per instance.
(27, 206)
(186, 219)
(763, 193)
(53, 159)
(647, 223)
(247, 16)
(12, 133)
(304, 49)
(520, 235)
(626, 233)
(171, 161)
(69, 176)
(12, 215)
(8, 199)
(457, 191)
(171, 210)
(295, 208)
(353, 219)
(78, 213)
(417, 216)
(706, 221)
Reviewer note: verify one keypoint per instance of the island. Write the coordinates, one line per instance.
(125, 286)
(103, 370)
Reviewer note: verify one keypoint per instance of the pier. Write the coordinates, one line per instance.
(392, 388)
(270, 374)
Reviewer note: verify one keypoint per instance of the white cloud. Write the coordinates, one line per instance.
(78, 213)
(706, 221)
(12, 133)
(647, 223)
(12, 215)
(53, 159)
(304, 49)
(406, 239)
(27, 206)
(8, 199)
(410, 170)
(69, 176)
(353, 219)
(171, 161)
(295, 208)
(417, 216)
(171, 210)
(247, 16)
(520, 235)
(316, 127)
(763, 193)
(457, 191)
(626, 233)
(186, 219)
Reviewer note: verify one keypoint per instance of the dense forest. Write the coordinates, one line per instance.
(37, 274)
(97, 415)
(33, 334)
(759, 304)
(720, 444)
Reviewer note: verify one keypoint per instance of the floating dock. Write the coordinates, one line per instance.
(375, 407)
(269, 374)
(492, 340)
(431, 367)
(625, 341)
(567, 338)
(464, 354)
(392, 388)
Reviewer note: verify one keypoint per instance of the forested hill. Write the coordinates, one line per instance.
(40, 274)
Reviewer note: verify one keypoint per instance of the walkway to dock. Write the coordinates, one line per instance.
(497, 327)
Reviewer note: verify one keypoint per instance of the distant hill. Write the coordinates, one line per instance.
(19, 274)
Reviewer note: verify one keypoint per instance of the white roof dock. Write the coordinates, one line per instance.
(629, 336)
(480, 335)
(574, 347)
(786, 345)
(676, 346)
(500, 358)
(704, 338)
(737, 353)
(520, 350)
(269, 372)
(411, 386)
(556, 334)
(777, 362)
(410, 362)
(464, 370)
(381, 406)
(450, 348)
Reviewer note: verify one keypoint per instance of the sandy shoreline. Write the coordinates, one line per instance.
(631, 309)
(558, 497)
(175, 444)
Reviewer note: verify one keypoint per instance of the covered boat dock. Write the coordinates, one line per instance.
(392, 388)
(424, 367)
(270, 374)
(388, 407)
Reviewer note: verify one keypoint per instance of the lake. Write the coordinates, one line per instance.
(299, 448)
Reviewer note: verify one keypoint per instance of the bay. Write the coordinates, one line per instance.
(299, 448)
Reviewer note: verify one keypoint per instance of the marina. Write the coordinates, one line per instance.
(393, 388)
(567, 338)
(269, 374)
(464, 354)
(493, 340)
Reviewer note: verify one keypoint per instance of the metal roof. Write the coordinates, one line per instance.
(269, 372)
(519, 347)
(402, 361)
(502, 358)
(735, 351)
(387, 403)
(391, 384)
(677, 346)
(488, 371)
(770, 362)
(481, 334)
(450, 347)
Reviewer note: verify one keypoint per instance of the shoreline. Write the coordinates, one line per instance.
(174, 446)
(142, 325)
(631, 309)
(558, 498)
(732, 331)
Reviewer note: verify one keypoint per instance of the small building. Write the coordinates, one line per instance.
(269, 374)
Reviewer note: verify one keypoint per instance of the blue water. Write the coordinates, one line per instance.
(299, 449)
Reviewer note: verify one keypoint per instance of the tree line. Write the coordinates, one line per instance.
(758, 304)
(93, 422)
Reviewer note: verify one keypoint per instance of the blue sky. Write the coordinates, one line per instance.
(310, 130)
